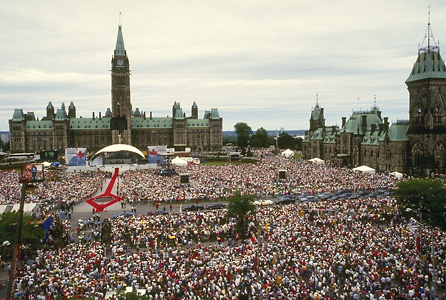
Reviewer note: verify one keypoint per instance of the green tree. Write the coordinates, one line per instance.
(424, 196)
(243, 132)
(242, 208)
(32, 231)
(286, 141)
(261, 139)
(4, 146)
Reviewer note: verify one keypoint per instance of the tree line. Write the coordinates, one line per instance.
(246, 138)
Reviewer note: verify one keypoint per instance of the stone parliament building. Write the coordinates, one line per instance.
(415, 146)
(61, 129)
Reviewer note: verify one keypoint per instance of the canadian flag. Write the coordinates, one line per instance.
(253, 238)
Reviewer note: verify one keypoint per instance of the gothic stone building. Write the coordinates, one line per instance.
(60, 129)
(416, 146)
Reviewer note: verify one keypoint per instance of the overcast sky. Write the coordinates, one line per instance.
(262, 62)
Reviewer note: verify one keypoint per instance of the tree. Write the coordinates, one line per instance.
(4, 146)
(425, 196)
(243, 132)
(32, 231)
(261, 139)
(242, 208)
(286, 141)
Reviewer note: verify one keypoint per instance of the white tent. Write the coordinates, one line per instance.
(288, 153)
(177, 161)
(365, 169)
(317, 160)
(3, 208)
(28, 208)
(397, 175)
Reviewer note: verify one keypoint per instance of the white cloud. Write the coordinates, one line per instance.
(261, 62)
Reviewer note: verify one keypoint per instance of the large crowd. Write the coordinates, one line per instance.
(219, 182)
(344, 249)
(59, 189)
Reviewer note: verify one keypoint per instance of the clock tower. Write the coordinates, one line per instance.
(427, 110)
(120, 93)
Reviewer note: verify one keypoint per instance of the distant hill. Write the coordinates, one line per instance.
(229, 134)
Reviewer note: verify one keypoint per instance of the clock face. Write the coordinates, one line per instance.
(120, 62)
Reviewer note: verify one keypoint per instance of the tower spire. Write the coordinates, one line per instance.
(429, 36)
(120, 49)
(428, 28)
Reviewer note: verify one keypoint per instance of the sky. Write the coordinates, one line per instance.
(262, 62)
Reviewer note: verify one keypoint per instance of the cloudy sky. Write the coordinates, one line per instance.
(263, 62)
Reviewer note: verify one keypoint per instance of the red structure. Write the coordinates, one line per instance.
(105, 199)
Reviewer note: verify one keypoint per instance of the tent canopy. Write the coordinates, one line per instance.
(179, 161)
(397, 175)
(365, 169)
(118, 148)
(317, 160)
(288, 153)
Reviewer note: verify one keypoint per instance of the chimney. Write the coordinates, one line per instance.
(100, 116)
(93, 115)
(343, 121)
(386, 123)
(150, 115)
(373, 127)
(144, 115)
(364, 123)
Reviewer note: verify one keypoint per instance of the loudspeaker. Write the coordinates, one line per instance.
(184, 178)
(282, 174)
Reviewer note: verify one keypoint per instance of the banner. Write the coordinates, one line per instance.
(154, 154)
(76, 156)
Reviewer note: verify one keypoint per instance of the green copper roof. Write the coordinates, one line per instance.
(120, 49)
(89, 123)
(318, 134)
(330, 135)
(429, 64)
(197, 123)
(214, 114)
(39, 125)
(18, 115)
(140, 122)
(179, 113)
(316, 112)
(370, 138)
(61, 114)
(398, 131)
(354, 123)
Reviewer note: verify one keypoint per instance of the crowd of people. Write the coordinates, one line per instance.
(345, 249)
(58, 190)
(350, 249)
(218, 182)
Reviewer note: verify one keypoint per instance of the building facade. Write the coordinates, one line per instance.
(61, 128)
(415, 146)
